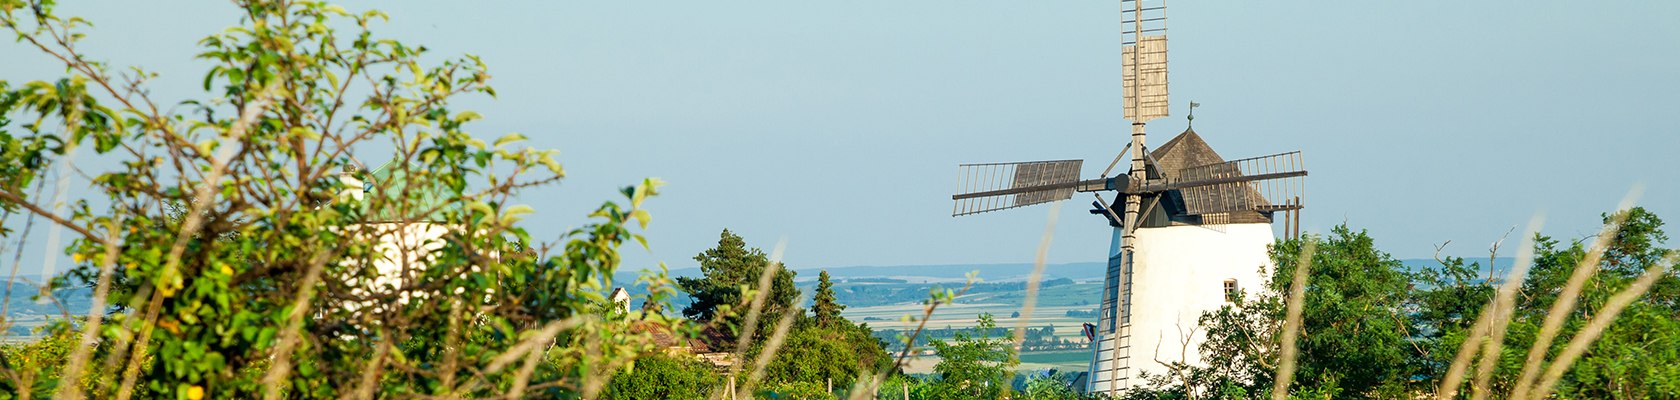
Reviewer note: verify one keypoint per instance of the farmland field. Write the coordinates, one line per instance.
(1052, 309)
(1054, 303)
(1063, 360)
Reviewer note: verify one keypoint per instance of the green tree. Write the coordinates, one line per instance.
(731, 270)
(804, 390)
(826, 347)
(33, 369)
(839, 353)
(1355, 330)
(1638, 356)
(974, 364)
(823, 305)
(1050, 387)
(663, 377)
(272, 280)
(1370, 330)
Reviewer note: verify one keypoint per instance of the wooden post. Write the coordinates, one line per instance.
(1297, 216)
(1286, 221)
(906, 389)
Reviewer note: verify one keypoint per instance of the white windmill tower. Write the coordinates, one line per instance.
(1193, 226)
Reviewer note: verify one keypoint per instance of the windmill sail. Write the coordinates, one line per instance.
(998, 186)
(1146, 85)
(1143, 55)
(1268, 183)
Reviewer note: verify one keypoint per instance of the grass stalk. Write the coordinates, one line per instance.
(88, 338)
(1600, 322)
(1031, 301)
(932, 305)
(1292, 325)
(772, 345)
(1502, 309)
(274, 379)
(1566, 299)
(754, 311)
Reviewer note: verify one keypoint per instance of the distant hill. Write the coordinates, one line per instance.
(27, 313)
(861, 285)
(943, 272)
(1009, 272)
(913, 279)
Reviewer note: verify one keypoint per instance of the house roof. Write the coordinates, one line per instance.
(666, 339)
(1188, 149)
(1183, 151)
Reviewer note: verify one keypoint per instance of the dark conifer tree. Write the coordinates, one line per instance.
(825, 308)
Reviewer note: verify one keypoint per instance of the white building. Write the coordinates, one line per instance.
(404, 234)
(1184, 265)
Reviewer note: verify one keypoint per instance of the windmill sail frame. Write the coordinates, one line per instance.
(999, 186)
(1265, 183)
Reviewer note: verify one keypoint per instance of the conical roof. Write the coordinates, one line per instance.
(1184, 151)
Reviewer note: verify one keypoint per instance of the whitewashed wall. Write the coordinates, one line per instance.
(1179, 273)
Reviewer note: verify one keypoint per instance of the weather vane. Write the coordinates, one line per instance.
(1191, 117)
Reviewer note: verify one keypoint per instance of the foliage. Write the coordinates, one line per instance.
(1049, 387)
(1355, 328)
(813, 353)
(823, 307)
(34, 369)
(238, 258)
(974, 365)
(803, 390)
(1355, 337)
(897, 386)
(1638, 357)
(1041, 338)
(663, 377)
(1447, 300)
(1371, 329)
(731, 271)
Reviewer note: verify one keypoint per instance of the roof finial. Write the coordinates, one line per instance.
(1192, 116)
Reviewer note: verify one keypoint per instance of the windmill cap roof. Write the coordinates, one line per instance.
(1188, 149)
(1185, 150)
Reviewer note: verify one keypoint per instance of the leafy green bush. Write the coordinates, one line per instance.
(974, 365)
(238, 247)
(795, 391)
(663, 377)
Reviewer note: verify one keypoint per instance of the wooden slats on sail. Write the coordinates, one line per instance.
(1022, 184)
(1256, 195)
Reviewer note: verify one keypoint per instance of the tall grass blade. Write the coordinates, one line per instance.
(1033, 281)
(1600, 322)
(1567, 298)
(1292, 325)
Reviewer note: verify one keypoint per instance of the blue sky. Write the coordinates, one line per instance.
(838, 126)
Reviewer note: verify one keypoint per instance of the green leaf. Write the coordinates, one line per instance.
(509, 138)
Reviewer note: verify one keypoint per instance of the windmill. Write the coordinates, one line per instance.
(1192, 227)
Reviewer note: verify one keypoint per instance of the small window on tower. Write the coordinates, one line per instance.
(1231, 290)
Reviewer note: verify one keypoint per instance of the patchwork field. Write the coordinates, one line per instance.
(1054, 303)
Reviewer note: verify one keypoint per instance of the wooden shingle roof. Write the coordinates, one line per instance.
(1183, 151)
